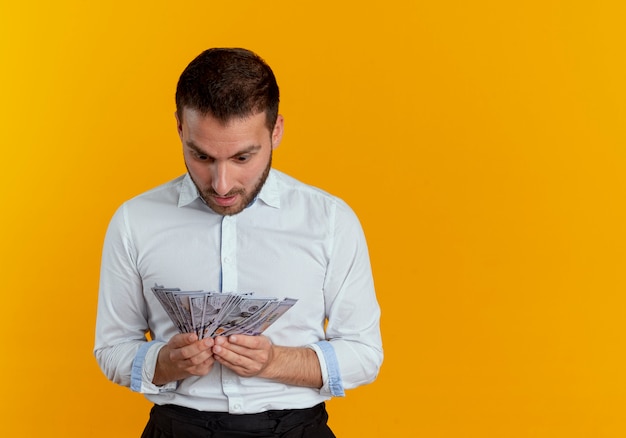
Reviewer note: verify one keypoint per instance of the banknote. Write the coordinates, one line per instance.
(210, 314)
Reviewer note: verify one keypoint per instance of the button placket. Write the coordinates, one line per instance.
(228, 253)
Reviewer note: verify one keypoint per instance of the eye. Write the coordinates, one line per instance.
(201, 157)
(242, 158)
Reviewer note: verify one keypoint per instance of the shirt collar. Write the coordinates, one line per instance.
(188, 192)
(269, 193)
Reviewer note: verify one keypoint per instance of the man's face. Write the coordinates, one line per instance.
(229, 162)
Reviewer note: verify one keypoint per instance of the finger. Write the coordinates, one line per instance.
(191, 350)
(256, 348)
(202, 368)
(198, 365)
(230, 352)
(243, 361)
(239, 364)
(199, 358)
(182, 339)
(234, 356)
(253, 342)
(248, 346)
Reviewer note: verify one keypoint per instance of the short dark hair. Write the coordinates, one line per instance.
(228, 83)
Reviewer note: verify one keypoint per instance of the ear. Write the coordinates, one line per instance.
(277, 133)
(179, 125)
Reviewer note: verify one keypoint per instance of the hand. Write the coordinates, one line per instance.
(249, 356)
(183, 356)
(245, 355)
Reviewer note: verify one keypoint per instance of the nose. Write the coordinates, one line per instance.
(220, 181)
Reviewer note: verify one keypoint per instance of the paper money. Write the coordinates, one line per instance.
(210, 314)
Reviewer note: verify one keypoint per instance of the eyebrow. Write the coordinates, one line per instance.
(249, 149)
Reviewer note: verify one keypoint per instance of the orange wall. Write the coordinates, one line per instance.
(481, 143)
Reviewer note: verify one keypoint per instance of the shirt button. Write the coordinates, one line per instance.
(226, 259)
(237, 407)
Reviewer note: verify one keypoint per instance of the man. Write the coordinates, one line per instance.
(232, 223)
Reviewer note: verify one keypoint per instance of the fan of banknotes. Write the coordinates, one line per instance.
(210, 314)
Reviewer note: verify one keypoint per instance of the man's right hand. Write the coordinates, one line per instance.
(183, 356)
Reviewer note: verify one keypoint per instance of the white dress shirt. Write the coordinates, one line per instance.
(293, 241)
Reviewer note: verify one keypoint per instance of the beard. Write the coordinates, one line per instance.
(245, 197)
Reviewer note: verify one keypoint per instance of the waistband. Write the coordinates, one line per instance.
(276, 421)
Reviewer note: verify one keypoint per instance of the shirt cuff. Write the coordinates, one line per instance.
(142, 372)
(331, 375)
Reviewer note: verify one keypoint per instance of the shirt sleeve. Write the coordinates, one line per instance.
(331, 374)
(121, 348)
(354, 352)
(143, 368)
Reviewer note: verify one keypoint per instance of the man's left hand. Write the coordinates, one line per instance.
(246, 356)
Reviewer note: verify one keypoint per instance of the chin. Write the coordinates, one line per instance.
(226, 211)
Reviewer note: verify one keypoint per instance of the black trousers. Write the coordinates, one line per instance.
(170, 421)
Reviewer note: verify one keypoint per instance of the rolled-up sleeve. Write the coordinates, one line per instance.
(121, 348)
(353, 311)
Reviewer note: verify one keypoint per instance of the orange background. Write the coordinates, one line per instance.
(481, 144)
